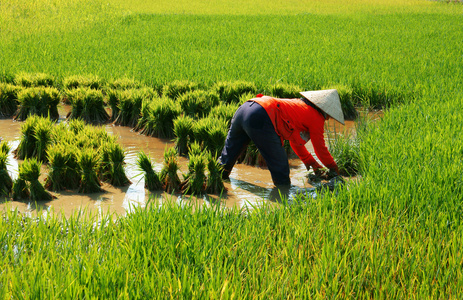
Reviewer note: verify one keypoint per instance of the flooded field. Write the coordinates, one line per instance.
(247, 185)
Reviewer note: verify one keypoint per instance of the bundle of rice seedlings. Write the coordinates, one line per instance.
(178, 87)
(113, 96)
(152, 181)
(198, 103)
(79, 81)
(230, 92)
(224, 112)
(124, 84)
(89, 106)
(27, 143)
(63, 168)
(43, 138)
(195, 149)
(29, 171)
(251, 155)
(158, 118)
(346, 152)
(4, 147)
(20, 189)
(39, 101)
(6, 183)
(168, 175)
(130, 105)
(182, 131)
(88, 166)
(284, 90)
(112, 164)
(8, 99)
(33, 79)
(214, 183)
(211, 133)
(76, 125)
(195, 180)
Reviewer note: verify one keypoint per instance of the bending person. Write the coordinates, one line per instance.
(269, 121)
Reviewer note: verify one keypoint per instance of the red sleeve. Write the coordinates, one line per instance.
(304, 155)
(318, 142)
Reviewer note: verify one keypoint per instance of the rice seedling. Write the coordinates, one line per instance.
(230, 92)
(29, 171)
(76, 125)
(63, 169)
(5, 147)
(113, 97)
(345, 150)
(182, 132)
(224, 111)
(194, 149)
(211, 133)
(129, 105)
(88, 166)
(252, 156)
(198, 103)
(20, 189)
(112, 164)
(285, 90)
(176, 88)
(214, 182)
(88, 105)
(157, 118)
(152, 181)
(6, 183)
(195, 179)
(81, 81)
(169, 173)
(41, 101)
(8, 99)
(125, 84)
(28, 141)
(33, 80)
(43, 135)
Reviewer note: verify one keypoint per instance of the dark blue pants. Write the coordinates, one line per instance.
(251, 122)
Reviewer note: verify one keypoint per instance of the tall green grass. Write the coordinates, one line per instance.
(393, 233)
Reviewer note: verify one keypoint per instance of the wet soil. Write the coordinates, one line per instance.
(247, 184)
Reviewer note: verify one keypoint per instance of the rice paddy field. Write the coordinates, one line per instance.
(394, 233)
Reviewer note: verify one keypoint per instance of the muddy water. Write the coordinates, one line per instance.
(247, 185)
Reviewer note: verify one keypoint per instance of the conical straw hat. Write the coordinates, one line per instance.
(328, 101)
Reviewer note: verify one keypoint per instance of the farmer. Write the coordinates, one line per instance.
(268, 121)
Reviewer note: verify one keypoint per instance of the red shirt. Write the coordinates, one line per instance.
(290, 117)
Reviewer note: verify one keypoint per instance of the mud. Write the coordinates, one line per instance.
(247, 186)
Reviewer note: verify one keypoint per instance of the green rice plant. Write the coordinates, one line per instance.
(176, 88)
(4, 147)
(285, 90)
(81, 81)
(20, 189)
(112, 164)
(76, 125)
(252, 156)
(182, 132)
(43, 135)
(29, 171)
(88, 105)
(63, 169)
(230, 92)
(198, 103)
(211, 133)
(88, 162)
(113, 96)
(6, 183)
(214, 182)
(194, 148)
(346, 152)
(8, 99)
(125, 84)
(152, 181)
(347, 101)
(224, 111)
(33, 80)
(157, 118)
(195, 179)
(41, 101)
(28, 140)
(129, 105)
(169, 172)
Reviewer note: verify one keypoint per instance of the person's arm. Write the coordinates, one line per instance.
(307, 158)
(318, 142)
